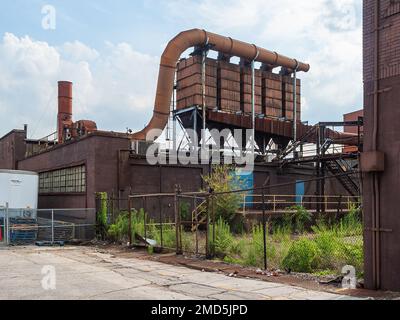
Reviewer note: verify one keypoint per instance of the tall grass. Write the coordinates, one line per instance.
(324, 249)
(223, 237)
(120, 229)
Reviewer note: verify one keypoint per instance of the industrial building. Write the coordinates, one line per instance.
(76, 166)
(261, 94)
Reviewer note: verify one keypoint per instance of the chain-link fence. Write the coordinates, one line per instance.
(30, 226)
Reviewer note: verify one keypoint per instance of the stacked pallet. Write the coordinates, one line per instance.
(23, 230)
(189, 83)
(288, 88)
(63, 231)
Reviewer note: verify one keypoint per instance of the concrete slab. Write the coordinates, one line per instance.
(199, 290)
(86, 273)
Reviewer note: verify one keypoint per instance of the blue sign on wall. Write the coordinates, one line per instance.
(300, 191)
(246, 181)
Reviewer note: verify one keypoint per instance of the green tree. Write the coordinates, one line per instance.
(226, 205)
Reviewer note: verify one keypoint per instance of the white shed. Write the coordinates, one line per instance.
(20, 189)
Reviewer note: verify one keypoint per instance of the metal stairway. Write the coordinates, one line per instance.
(294, 146)
(199, 216)
(338, 168)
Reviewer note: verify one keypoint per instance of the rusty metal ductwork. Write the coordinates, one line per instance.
(225, 45)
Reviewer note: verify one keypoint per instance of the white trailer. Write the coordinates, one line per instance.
(20, 189)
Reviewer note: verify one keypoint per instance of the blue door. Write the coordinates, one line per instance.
(246, 180)
(300, 191)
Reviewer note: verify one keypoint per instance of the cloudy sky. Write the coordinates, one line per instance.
(110, 49)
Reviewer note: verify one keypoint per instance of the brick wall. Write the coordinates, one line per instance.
(388, 119)
(12, 149)
(389, 42)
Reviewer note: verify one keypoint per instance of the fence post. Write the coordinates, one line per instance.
(339, 208)
(7, 224)
(326, 204)
(244, 205)
(214, 222)
(144, 219)
(161, 223)
(208, 227)
(112, 208)
(130, 220)
(196, 221)
(264, 230)
(177, 223)
(52, 226)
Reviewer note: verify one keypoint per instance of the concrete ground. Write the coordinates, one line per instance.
(86, 273)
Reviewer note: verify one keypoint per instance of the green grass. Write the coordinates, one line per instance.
(322, 249)
(325, 249)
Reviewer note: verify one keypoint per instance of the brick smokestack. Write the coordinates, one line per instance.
(64, 117)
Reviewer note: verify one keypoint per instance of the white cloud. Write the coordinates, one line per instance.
(115, 88)
(77, 51)
(115, 85)
(325, 33)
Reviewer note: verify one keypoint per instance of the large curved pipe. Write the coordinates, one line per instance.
(196, 37)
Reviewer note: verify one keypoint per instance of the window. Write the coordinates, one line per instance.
(69, 180)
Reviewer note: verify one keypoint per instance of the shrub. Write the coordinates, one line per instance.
(184, 208)
(223, 237)
(297, 217)
(354, 256)
(102, 213)
(238, 246)
(119, 231)
(102, 222)
(302, 256)
(168, 235)
(329, 246)
(226, 206)
(351, 224)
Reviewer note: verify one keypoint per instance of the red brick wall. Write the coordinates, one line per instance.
(12, 149)
(388, 119)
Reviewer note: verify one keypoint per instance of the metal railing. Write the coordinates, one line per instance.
(278, 204)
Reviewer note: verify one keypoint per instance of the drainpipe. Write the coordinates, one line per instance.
(295, 103)
(203, 79)
(375, 178)
(174, 133)
(253, 103)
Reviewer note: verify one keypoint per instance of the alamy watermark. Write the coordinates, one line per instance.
(49, 279)
(49, 20)
(350, 278)
(209, 154)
